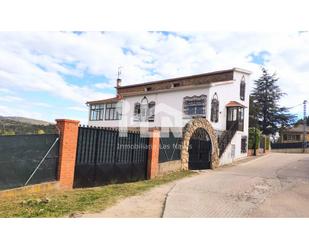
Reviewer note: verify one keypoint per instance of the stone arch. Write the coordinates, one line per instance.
(188, 132)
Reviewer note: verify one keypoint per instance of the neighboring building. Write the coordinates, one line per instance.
(219, 98)
(294, 134)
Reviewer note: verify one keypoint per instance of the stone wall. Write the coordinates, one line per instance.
(188, 131)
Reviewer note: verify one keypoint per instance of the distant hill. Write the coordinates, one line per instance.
(23, 126)
(25, 120)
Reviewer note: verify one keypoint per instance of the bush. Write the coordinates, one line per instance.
(251, 138)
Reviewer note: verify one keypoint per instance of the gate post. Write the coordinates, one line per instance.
(67, 154)
(153, 153)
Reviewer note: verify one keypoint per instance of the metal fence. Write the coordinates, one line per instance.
(289, 145)
(28, 159)
(170, 147)
(105, 155)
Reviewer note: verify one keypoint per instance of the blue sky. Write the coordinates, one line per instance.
(49, 75)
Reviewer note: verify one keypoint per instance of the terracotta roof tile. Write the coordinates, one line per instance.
(235, 104)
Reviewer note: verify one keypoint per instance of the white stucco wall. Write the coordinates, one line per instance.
(169, 110)
(232, 92)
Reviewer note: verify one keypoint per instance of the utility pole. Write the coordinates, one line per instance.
(305, 127)
(255, 124)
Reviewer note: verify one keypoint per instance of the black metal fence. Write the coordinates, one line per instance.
(170, 147)
(24, 159)
(289, 145)
(105, 155)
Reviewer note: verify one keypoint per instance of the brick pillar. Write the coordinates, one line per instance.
(153, 154)
(67, 153)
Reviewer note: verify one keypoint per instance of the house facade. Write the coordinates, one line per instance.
(295, 134)
(221, 99)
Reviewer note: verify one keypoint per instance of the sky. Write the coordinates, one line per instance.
(49, 75)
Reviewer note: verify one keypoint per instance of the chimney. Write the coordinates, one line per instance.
(118, 82)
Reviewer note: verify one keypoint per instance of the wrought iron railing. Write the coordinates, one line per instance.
(226, 138)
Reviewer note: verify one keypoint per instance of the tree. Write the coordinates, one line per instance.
(301, 121)
(265, 111)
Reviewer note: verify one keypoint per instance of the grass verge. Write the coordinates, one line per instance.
(69, 203)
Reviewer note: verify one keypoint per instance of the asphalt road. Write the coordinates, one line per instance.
(276, 185)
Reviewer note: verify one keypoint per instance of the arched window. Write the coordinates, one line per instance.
(242, 88)
(151, 111)
(137, 111)
(144, 109)
(214, 116)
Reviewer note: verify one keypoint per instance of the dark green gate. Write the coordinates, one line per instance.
(28, 159)
(105, 155)
(200, 150)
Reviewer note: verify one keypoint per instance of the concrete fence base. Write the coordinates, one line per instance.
(294, 150)
(31, 189)
(168, 167)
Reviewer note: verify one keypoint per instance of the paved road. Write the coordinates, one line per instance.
(276, 185)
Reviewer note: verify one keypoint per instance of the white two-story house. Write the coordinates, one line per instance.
(220, 98)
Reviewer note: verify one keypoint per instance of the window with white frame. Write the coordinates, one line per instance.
(113, 111)
(96, 112)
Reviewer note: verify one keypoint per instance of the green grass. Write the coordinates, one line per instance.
(68, 203)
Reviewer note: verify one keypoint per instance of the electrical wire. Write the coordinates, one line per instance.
(294, 106)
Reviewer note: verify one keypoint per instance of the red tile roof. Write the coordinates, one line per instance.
(235, 104)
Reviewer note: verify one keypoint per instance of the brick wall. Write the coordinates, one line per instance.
(67, 154)
(153, 154)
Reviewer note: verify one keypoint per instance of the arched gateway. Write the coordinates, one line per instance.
(200, 146)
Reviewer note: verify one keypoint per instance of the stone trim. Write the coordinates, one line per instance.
(188, 132)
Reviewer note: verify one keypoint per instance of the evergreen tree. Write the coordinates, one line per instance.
(301, 121)
(265, 111)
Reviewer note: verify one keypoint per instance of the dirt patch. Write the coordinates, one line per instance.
(150, 204)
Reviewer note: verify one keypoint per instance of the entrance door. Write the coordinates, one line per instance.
(200, 150)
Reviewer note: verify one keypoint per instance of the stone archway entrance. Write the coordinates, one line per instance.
(199, 150)
(189, 132)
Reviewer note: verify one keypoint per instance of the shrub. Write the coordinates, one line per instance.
(251, 138)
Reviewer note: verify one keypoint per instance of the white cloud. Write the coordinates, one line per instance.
(78, 108)
(11, 111)
(10, 98)
(37, 61)
(105, 85)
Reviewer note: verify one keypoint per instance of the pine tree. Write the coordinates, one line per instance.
(265, 111)
(301, 121)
